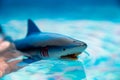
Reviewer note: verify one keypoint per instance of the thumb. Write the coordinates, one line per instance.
(4, 45)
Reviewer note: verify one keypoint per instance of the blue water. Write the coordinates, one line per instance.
(96, 22)
(50, 70)
(101, 62)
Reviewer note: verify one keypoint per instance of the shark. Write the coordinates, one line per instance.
(39, 45)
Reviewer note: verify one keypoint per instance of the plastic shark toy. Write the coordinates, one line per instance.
(43, 45)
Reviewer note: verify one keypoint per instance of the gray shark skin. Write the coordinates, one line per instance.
(43, 45)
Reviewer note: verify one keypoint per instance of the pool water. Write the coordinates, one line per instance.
(50, 70)
(100, 61)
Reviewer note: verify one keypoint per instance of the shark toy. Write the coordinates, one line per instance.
(39, 45)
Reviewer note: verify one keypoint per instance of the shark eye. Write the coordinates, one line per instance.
(64, 49)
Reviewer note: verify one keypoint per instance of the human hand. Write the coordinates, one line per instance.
(7, 52)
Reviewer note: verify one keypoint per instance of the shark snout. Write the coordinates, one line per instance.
(80, 44)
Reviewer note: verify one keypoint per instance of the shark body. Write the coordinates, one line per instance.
(43, 45)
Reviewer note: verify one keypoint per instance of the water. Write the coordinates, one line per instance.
(100, 61)
(50, 70)
(96, 22)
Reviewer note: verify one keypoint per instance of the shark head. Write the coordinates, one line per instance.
(42, 45)
(70, 49)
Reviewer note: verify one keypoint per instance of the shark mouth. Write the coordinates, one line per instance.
(70, 56)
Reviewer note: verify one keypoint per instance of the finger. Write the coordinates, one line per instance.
(12, 46)
(16, 53)
(4, 45)
(1, 40)
(3, 67)
(1, 73)
(11, 55)
(13, 63)
(11, 67)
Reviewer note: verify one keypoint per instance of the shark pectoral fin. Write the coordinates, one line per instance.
(32, 28)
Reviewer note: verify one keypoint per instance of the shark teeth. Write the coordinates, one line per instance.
(73, 56)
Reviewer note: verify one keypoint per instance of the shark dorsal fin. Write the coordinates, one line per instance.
(32, 28)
